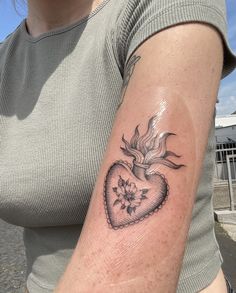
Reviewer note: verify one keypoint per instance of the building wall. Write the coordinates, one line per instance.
(222, 134)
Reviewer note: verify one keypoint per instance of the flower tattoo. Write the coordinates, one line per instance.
(129, 197)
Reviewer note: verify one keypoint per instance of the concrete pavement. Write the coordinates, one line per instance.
(12, 259)
(228, 251)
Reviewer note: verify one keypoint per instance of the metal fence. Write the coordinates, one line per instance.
(222, 164)
(225, 169)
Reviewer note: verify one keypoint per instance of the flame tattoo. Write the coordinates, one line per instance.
(149, 148)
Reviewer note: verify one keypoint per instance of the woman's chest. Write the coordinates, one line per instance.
(53, 132)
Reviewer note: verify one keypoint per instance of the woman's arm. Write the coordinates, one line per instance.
(135, 232)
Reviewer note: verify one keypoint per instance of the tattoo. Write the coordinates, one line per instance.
(128, 195)
(133, 192)
(127, 75)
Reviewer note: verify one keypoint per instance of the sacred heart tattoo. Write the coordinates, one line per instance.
(133, 192)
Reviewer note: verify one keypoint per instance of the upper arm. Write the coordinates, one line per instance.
(131, 240)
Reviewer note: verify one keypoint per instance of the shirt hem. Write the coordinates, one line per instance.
(35, 286)
(183, 14)
(203, 278)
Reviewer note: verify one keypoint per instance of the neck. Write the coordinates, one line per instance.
(46, 15)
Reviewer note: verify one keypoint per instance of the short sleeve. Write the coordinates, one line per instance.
(140, 19)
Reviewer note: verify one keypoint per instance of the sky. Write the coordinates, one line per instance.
(10, 19)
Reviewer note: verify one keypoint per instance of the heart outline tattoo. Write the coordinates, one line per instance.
(133, 192)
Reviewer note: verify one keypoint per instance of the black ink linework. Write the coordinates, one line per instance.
(129, 70)
(133, 192)
(129, 197)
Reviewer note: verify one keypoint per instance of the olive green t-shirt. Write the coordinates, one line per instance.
(58, 96)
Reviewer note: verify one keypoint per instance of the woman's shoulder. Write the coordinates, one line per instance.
(9, 46)
(163, 7)
(140, 19)
(9, 41)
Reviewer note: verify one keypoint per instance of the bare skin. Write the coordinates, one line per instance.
(45, 15)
